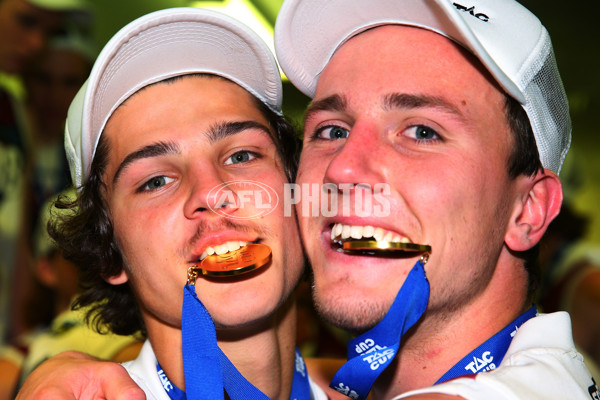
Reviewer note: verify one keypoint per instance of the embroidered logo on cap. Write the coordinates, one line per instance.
(471, 10)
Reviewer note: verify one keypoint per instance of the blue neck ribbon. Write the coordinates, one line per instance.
(372, 352)
(207, 371)
(489, 354)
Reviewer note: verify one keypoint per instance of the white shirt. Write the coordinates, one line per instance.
(541, 363)
(143, 371)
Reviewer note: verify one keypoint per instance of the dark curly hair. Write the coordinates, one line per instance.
(85, 234)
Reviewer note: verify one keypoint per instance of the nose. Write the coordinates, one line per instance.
(361, 158)
(209, 195)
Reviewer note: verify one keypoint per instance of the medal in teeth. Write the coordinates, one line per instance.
(354, 238)
(232, 258)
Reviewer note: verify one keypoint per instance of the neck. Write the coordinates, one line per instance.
(425, 354)
(263, 352)
(266, 356)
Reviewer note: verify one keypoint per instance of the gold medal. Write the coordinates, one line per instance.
(237, 262)
(383, 246)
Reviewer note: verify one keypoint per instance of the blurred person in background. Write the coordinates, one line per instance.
(52, 325)
(51, 82)
(25, 28)
(570, 267)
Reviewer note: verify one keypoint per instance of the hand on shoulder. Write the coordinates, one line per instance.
(74, 375)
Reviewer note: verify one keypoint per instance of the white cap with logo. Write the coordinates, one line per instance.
(507, 38)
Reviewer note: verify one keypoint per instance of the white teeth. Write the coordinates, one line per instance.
(231, 246)
(222, 248)
(357, 232)
(337, 229)
(346, 232)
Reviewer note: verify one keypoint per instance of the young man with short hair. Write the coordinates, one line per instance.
(459, 109)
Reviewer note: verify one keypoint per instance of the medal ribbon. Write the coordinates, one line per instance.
(489, 354)
(370, 353)
(207, 370)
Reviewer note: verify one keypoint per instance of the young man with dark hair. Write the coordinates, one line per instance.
(179, 103)
(25, 28)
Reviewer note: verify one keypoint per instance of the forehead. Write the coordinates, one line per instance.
(203, 95)
(407, 59)
(179, 108)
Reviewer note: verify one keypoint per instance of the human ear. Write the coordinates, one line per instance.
(536, 208)
(118, 279)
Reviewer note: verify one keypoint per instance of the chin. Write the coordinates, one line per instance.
(247, 310)
(243, 319)
(348, 311)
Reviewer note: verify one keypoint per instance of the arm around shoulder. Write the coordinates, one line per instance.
(74, 375)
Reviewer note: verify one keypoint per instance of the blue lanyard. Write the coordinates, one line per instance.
(489, 354)
(370, 353)
(207, 370)
(173, 391)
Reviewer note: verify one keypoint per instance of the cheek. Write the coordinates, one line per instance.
(311, 172)
(142, 233)
(311, 168)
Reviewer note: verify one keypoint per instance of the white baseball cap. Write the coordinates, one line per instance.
(161, 45)
(507, 38)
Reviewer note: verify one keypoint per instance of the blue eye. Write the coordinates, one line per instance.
(156, 182)
(331, 132)
(424, 133)
(240, 157)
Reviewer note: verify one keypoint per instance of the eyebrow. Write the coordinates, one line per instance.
(410, 101)
(215, 133)
(222, 130)
(335, 103)
(152, 150)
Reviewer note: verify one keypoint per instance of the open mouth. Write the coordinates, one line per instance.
(342, 232)
(372, 240)
(225, 248)
(230, 259)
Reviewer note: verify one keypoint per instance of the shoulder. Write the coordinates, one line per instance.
(144, 373)
(541, 363)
